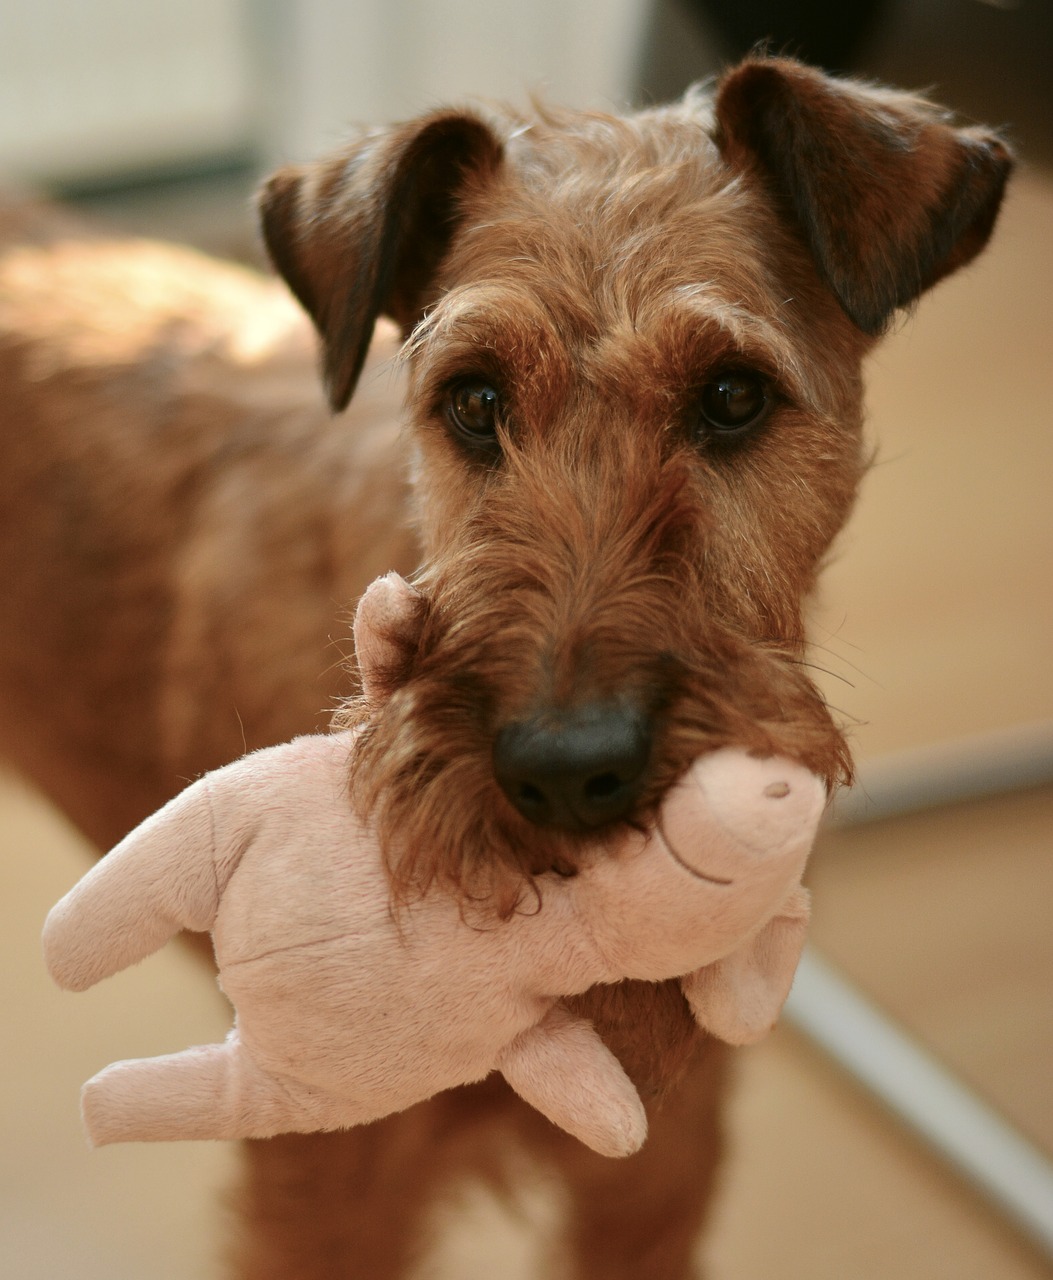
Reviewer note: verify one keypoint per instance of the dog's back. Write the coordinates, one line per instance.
(181, 527)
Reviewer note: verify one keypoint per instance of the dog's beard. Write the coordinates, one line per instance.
(423, 770)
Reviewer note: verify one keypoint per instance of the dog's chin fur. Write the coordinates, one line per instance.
(430, 740)
(188, 527)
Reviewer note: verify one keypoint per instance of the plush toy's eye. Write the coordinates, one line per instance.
(732, 404)
(473, 410)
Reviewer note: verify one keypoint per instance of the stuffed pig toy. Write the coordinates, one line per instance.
(348, 1008)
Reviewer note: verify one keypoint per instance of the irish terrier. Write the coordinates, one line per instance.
(631, 362)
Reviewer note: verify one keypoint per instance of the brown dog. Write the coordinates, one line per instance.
(632, 362)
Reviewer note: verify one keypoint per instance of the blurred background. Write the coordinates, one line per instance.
(935, 623)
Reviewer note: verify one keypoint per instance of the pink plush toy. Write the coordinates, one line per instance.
(347, 1010)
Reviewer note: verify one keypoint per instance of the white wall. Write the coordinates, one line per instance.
(101, 86)
(335, 61)
(104, 86)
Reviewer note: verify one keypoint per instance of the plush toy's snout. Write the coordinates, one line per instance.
(752, 809)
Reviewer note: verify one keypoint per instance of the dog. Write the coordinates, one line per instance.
(629, 350)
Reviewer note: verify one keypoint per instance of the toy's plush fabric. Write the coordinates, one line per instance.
(347, 1010)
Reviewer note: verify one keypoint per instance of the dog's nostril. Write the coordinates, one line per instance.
(575, 768)
(602, 787)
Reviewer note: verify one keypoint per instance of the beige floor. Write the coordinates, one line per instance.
(936, 621)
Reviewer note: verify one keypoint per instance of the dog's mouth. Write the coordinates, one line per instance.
(474, 791)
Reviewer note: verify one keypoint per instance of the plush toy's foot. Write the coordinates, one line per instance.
(209, 1092)
(564, 1069)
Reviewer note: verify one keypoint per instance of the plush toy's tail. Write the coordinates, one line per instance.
(159, 880)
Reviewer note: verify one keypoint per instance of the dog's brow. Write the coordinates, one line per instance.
(475, 316)
(754, 336)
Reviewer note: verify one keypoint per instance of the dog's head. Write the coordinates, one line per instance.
(634, 352)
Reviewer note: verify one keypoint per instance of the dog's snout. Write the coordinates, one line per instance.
(577, 768)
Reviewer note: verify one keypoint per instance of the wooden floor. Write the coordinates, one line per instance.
(942, 920)
(936, 621)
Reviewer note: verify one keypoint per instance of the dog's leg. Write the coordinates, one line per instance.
(352, 1205)
(358, 1205)
(642, 1218)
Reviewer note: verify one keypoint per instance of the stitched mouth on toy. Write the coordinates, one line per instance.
(677, 858)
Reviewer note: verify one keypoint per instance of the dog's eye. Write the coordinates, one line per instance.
(733, 403)
(473, 409)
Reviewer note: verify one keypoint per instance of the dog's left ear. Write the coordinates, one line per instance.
(363, 233)
(888, 196)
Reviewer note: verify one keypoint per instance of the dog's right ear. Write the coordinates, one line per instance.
(888, 195)
(362, 234)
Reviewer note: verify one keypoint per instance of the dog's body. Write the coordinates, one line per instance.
(635, 405)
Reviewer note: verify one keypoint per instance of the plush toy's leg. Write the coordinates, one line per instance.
(564, 1069)
(160, 879)
(212, 1091)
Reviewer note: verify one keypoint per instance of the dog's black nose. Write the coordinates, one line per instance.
(576, 768)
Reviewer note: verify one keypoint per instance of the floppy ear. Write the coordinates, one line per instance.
(362, 233)
(739, 998)
(388, 623)
(888, 196)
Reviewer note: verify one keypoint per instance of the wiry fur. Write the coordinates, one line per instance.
(189, 527)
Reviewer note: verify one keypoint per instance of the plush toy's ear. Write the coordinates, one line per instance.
(739, 998)
(387, 627)
(362, 233)
(888, 196)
